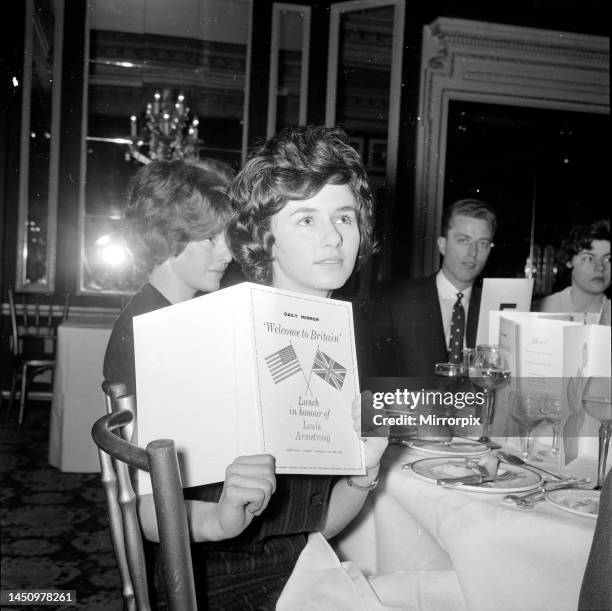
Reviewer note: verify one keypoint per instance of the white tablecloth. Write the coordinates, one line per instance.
(504, 558)
(78, 400)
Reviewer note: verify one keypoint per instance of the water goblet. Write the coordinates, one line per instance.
(528, 410)
(489, 369)
(597, 403)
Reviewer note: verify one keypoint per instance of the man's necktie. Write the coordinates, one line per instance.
(455, 351)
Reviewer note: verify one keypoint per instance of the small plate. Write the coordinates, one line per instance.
(433, 469)
(455, 446)
(581, 502)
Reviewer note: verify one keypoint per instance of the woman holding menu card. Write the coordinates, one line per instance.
(303, 219)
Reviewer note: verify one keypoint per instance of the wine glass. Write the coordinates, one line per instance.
(528, 410)
(449, 377)
(596, 402)
(489, 369)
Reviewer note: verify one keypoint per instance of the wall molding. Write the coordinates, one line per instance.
(496, 64)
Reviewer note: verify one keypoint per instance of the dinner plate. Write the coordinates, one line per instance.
(433, 469)
(455, 446)
(581, 502)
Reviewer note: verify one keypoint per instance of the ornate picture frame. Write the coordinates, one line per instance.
(377, 154)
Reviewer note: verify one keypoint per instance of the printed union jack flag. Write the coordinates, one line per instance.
(325, 367)
(283, 364)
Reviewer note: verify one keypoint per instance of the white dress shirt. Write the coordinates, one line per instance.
(447, 296)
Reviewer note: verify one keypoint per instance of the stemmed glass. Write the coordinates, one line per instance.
(596, 402)
(554, 417)
(528, 410)
(488, 368)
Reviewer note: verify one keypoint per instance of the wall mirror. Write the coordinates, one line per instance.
(544, 93)
(289, 65)
(142, 56)
(39, 142)
(363, 93)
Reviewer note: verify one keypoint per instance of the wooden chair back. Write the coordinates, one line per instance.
(117, 455)
(34, 316)
(34, 320)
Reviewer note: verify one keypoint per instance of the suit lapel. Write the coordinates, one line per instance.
(438, 327)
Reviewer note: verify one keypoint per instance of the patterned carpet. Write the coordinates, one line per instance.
(54, 525)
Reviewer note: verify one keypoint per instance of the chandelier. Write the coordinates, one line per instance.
(167, 131)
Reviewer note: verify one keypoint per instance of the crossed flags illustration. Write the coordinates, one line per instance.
(284, 363)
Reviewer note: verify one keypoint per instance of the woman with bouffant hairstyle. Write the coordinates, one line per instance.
(174, 224)
(303, 219)
(293, 166)
(172, 203)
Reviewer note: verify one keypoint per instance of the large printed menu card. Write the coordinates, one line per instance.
(553, 355)
(249, 370)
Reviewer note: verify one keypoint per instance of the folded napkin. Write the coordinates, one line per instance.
(320, 582)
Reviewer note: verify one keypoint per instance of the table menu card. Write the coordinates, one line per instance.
(249, 370)
(555, 358)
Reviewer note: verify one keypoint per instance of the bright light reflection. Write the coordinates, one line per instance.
(111, 251)
(114, 255)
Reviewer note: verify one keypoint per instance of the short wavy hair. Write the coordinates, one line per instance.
(581, 238)
(172, 203)
(294, 165)
(474, 208)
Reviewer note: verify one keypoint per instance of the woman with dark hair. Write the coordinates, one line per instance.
(285, 175)
(586, 253)
(303, 219)
(175, 222)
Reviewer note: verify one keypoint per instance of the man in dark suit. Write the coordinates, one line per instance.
(432, 319)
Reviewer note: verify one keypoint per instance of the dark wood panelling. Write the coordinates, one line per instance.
(260, 67)
(11, 49)
(70, 158)
(11, 43)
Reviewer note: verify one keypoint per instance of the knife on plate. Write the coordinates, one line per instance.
(475, 479)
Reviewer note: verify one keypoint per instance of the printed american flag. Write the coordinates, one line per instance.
(328, 369)
(283, 364)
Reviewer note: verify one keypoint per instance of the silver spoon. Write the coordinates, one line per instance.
(512, 459)
(527, 501)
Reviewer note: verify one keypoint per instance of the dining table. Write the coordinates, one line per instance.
(78, 400)
(504, 558)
